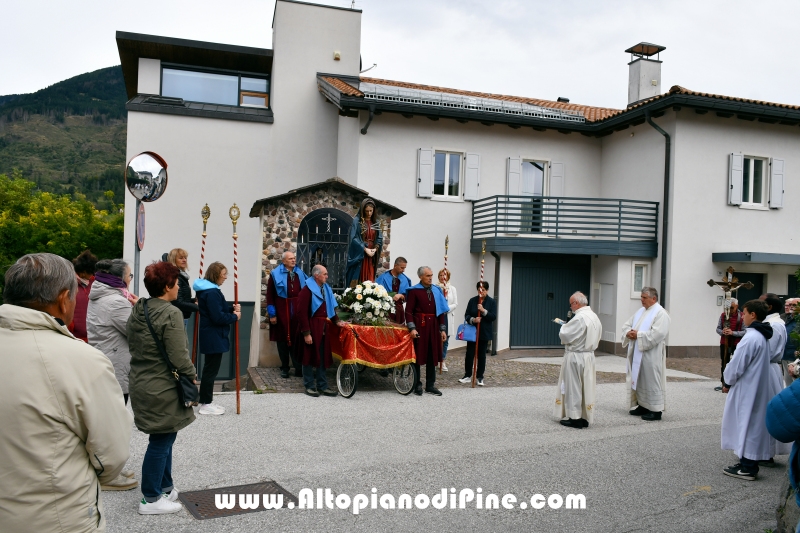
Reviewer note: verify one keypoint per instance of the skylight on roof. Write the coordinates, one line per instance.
(373, 91)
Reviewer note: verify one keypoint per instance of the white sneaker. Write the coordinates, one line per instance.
(444, 367)
(480, 382)
(160, 506)
(210, 409)
(465, 379)
(219, 408)
(173, 495)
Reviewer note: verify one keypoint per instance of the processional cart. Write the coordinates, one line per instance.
(364, 337)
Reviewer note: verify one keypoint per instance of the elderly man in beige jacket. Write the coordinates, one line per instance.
(65, 428)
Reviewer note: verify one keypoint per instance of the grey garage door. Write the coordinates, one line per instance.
(541, 285)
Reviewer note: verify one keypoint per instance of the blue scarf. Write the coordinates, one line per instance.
(203, 285)
(438, 296)
(279, 276)
(385, 281)
(316, 297)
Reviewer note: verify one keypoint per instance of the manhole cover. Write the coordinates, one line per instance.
(230, 501)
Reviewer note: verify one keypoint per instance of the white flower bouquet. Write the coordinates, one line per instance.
(367, 303)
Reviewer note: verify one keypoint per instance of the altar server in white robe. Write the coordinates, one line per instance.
(645, 337)
(776, 346)
(747, 378)
(576, 384)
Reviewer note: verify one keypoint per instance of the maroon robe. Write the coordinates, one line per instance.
(422, 312)
(319, 326)
(284, 311)
(399, 314)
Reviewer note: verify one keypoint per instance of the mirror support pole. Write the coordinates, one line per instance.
(136, 251)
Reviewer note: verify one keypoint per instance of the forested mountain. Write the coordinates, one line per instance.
(69, 137)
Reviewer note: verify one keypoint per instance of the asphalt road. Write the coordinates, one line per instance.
(635, 475)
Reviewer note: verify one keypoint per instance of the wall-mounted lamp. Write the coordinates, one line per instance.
(337, 55)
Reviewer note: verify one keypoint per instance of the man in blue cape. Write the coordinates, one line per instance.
(316, 308)
(395, 281)
(426, 315)
(284, 285)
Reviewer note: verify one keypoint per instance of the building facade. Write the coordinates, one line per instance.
(668, 192)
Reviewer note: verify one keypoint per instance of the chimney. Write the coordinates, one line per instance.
(644, 72)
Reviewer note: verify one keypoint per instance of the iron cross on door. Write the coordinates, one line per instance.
(328, 219)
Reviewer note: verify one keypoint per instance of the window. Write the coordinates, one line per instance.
(447, 174)
(640, 278)
(754, 190)
(215, 87)
(533, 173)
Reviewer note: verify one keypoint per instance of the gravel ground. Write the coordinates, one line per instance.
(501, 371)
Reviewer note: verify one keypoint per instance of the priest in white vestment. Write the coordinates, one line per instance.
(776, 346)
(645, 337)
(747, 379)
(576, 384)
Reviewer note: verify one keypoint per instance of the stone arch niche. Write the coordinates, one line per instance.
(322, 239)
(282, 220)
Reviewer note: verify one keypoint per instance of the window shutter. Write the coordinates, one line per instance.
(776, 183)
(425, 173)
(514, 176)
(556, 179)
(735, 176)
(472, 177)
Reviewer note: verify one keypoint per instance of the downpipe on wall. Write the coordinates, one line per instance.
(665, 211)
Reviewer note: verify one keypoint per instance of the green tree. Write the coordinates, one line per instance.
(34, 221)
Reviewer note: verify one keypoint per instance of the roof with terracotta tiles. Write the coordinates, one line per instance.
(592, 114)
(677, 89)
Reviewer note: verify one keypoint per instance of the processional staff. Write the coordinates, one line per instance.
(446, 246)
(206, 214)
(234, 213)
(478, 327)
(728, 284)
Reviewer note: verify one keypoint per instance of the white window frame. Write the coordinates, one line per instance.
(763, 205)
(635, 295)
(446, 197)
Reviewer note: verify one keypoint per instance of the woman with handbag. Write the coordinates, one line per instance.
(482, 310)
(452, 300)
(160, 364)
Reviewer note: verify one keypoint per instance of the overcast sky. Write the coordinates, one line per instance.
(536, 48)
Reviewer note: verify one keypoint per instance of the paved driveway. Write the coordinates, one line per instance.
(636, 476)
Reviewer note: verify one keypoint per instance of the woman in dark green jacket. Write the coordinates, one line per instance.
(153, 390)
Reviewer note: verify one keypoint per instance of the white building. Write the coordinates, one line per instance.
(568, 197)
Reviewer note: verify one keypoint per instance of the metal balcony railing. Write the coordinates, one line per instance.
(565, 218)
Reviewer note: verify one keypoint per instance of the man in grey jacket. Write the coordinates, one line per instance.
(65, 428)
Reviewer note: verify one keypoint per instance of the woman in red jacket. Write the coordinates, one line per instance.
(84, 272)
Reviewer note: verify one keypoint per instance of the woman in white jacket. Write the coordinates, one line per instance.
(452, 300)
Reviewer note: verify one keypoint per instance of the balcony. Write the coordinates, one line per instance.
(558, 225)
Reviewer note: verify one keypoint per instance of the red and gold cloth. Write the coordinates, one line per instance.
(376, 347)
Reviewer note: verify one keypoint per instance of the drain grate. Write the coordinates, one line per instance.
(260, 496)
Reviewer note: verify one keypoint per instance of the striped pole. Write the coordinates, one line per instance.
(446, 246)
(478, 328)
(206, 214)
(234, 214)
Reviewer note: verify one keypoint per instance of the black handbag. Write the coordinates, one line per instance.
(188, 395)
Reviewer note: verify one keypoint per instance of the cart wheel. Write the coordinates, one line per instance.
(360, 367)
(347, 380)
(404, 378)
